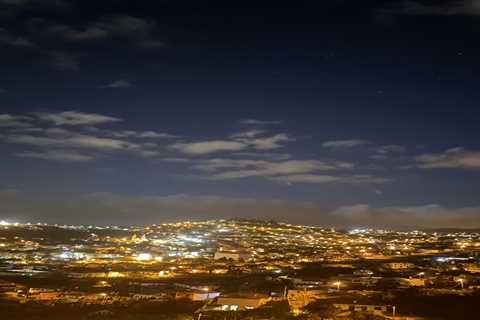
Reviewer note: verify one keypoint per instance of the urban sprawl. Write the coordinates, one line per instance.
(236, 269)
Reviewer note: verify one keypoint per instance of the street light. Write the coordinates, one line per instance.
(338, 283)
(461, 282)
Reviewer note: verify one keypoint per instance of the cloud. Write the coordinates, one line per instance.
(136, 29)
(283, 171)
(315, 178)
(48, 38)
(247, 133)
(222, 169)
(103, 208)
(177, 160)
(264, 155)
(3, 91)
(141, 134)
(47, 34)
(149, 153)
(76, 118)
(15, 2)
(74, 141)
(426, 216)
(10, 121)
(126, 25)
(383, 152)
(69, 33)
(207, 147)
(344, 144)
(122, 134)
(445, 8)
(64, 60)
(156, 135)
(255, 122)
(118, 84)
(74, 130)
(60, 59)
(391, 148)
(452, 158)
(9, 39)
(269, 142)
(57, 155)
(29, 3)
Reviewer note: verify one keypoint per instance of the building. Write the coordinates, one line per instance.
(399, 265)
(380, 310)
(235, 256)
(299, 298)
(195, 295)
(232, 303)
(242, 302)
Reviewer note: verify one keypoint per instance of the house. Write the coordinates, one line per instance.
(299, 298)
(236, 302)
(196, 295)
(242, 302)
(379, 310)
(235, 256)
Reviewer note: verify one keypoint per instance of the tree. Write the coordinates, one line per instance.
(322, 309)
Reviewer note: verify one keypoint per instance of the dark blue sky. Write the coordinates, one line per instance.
(324, 113)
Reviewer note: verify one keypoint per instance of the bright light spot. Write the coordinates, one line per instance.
(144, 257)
(115, 274)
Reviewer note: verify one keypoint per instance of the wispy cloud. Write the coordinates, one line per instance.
(60, 59)
(426, 216)
(269, 143)
(15, 2)
(239, 141)
(73, 136)
(11, 121)
(57, 155)
(316, 178)
(3, 90)
(118, 84)
(439, 8)
(141, 134)
(386, 151)
(391, 148)
(176, 160)
(74, 141)
(49, 38)
(41, 3)
(156, 135)
(64, 60)
(207, 147)
(275, 156)
(76, 118)
(137, 30)
(452, 158)
(222, 169)
(126, 25)
(67, 32)
(344, 144)
(247, 133)
(76, 136)
(256, 122)
(9, 39)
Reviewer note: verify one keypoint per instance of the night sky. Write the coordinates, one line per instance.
(342, 113)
